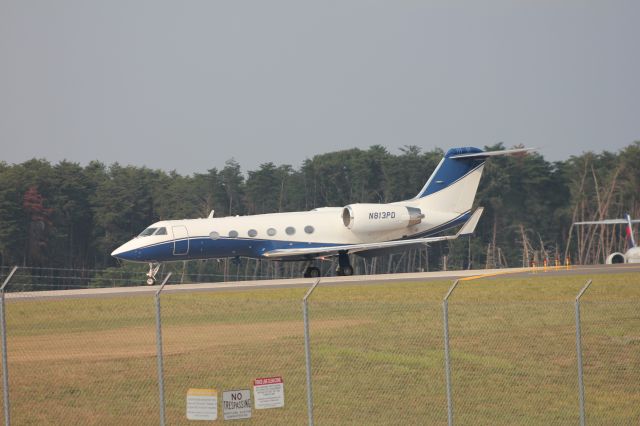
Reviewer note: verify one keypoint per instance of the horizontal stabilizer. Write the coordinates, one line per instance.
(485, 154)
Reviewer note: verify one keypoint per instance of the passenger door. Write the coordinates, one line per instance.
(180, 241)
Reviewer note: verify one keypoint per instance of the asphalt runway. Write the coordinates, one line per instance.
(307, 282)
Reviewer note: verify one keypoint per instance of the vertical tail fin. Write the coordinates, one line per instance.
(453, 184)
(630, 230)
(450, 170)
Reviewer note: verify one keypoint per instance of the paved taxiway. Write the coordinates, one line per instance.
(587, 271)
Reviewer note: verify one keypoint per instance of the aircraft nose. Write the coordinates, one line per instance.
(117, 252)
(131, 250)
(125, 251)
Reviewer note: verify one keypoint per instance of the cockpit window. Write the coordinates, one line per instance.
(161, 231)
(147, 232)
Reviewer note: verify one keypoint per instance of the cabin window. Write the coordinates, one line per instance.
(290, 230)
(271, 232)
(161, 231)
(147, 232)
(309, 229)
(214, 235)
(233, 234)
(252, 233)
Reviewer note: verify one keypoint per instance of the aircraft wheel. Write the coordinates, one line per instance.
(150, 281)
(311, 272)
(344, 266)
(345, 271)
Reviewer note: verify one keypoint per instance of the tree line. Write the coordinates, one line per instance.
(66, 215)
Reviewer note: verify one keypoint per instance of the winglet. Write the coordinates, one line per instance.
(470, 225)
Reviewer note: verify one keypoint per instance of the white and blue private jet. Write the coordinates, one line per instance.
(444, 202)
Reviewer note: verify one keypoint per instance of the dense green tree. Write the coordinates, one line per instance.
(123, 205)
(38, 226)
(265, 190)
(209, 192)
(232, 181)
(67, 215)
(72, 214)
(174, 196)
(12, 218)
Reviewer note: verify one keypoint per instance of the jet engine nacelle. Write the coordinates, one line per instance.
(379, 217)
(614, 258)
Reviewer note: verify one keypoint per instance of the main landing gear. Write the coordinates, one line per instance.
(311, 272)
(344, 266)
(151, 275)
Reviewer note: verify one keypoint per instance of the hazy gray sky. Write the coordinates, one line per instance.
(186, 85)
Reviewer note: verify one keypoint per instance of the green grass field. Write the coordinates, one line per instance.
(377, 353)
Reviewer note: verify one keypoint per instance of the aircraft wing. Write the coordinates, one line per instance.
(467, 229)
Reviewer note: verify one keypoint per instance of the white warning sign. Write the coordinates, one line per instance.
(202, 404)
(268, 392)
(236, 404)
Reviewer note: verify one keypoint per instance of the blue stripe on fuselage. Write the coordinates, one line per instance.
(206, 248)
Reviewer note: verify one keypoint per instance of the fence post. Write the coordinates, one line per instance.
(159, 350)
(447, 360)
(579, 351)
(307, 350)
(5, 367)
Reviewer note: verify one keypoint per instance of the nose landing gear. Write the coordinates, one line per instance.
(151, 275)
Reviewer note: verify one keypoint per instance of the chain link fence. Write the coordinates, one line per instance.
(83, 360)
(226, 340)
(611, 352)
(377, 355)
(376, 352)
(513, 362)
(134, 274)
